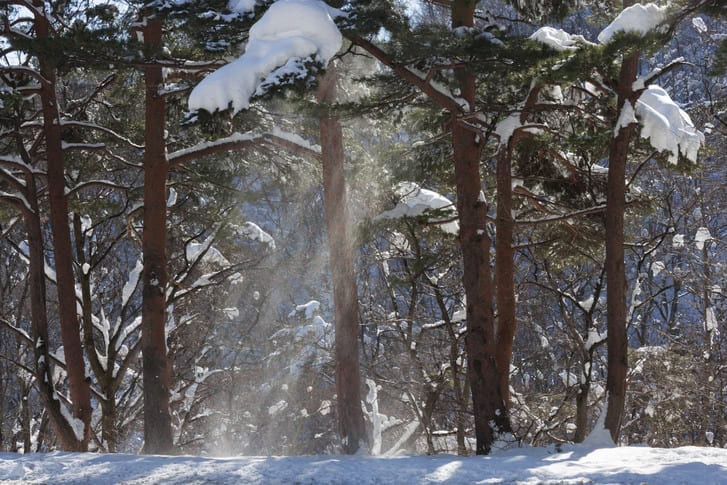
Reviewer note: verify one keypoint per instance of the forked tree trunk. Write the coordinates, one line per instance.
(104, 375)
(345, 294)
(156, 365)
(615, 265)
(62, 251)
(490, 412)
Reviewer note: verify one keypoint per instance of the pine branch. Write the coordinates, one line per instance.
(444, 101)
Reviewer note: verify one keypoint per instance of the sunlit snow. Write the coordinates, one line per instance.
(416, 201)
(558, 39)
(701, 237)
(667, 127)
(290, 31)
(637, 18)
(572, 464)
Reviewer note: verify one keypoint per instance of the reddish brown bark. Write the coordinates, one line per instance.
(504, 252)
(39, 328)
(345, 294)
(480, 343)
(615, 267)
(156, 365)
(62, 251)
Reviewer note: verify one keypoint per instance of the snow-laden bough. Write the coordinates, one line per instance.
(290, 32)
(667, 127)
(416, 201)
(558, 39)
(637, 19)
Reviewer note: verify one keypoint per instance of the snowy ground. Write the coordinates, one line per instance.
(625, 465)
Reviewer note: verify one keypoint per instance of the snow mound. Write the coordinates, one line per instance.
(288, 33)
(416, 201)
(667, 126)
(637, 18)
(558, 39)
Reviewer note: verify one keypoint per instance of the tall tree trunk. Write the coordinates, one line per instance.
(104, 375)
(459, 386)
(25, 412)
(487, 400)
(39, 327)
(504, 270)
(109, 432)
(504, 252)
(156, 365)
(615, 265)
(62, 250)
(584, 389)
(345, 292)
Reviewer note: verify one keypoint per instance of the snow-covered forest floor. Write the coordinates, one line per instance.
(573, 464)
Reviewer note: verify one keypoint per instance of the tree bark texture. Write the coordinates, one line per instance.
(62, 250)
(490, 412)
(615, 266)
(345, 293)
(504, 270)
(584, 390)
(156, 365)
(39, 327)
(504, 252)
(104, 376)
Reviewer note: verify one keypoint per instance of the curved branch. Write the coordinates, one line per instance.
(96, 183)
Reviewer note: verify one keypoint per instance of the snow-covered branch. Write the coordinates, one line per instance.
(236, 141)
(96, 183)
(18, 200)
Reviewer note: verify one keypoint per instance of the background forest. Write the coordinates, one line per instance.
(169, 262)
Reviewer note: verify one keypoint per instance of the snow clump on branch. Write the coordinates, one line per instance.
(416, 201)
(289, 33)
(638, 18)
(667, 126)
(558, 39)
